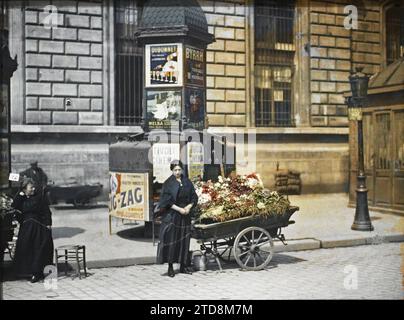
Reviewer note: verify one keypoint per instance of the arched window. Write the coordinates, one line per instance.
(128, 63)
(394, 26)
(274, 54)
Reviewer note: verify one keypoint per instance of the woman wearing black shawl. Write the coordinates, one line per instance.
(177, 198)
(34, 248)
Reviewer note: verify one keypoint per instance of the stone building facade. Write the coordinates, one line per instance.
(64, 92)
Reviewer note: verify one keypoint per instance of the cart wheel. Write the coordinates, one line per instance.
(253, 248)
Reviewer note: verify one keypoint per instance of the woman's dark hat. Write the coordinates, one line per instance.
(176, 163)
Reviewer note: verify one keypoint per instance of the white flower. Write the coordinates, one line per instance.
(260, 205)
(252, 183)
(204, 198)
(220, 178)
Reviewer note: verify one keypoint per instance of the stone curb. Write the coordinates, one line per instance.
(292, 245)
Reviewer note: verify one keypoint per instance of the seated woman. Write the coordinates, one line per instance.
(34, 248)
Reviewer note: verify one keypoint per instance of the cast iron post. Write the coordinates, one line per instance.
(359, 86)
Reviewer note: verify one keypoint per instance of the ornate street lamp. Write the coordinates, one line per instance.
(359, 87)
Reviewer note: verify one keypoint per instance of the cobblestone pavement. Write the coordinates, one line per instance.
(363, 272)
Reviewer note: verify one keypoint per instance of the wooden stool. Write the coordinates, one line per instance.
(75, 253)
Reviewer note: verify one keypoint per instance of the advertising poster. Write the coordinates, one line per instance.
(195, 160)
(164, 65)
(4, 108)
(128, 197)
(195, 108)
(194, 66)
(163, 154)
(163, 109)
(4, 169)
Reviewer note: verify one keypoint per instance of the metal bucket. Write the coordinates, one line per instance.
(200, 262)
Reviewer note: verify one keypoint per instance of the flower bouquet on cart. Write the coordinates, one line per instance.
(235, 197)
(6, 208)
(7, 216)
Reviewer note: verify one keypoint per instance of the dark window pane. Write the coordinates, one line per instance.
(4, 27)
(274, 54)
(128, 63)
(394, 33)
(3, 15)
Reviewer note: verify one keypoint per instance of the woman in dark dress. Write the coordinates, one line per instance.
(34, 248)
(177, 198)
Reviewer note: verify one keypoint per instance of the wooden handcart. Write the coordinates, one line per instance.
(250, 239)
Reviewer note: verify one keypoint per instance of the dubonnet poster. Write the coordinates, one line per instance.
(164, 65)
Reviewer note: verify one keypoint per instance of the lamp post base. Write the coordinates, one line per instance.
(362, 226)
(362, 220)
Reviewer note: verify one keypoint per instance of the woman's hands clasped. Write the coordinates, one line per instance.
(186, 210)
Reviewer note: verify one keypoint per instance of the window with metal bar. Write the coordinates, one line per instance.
(394, 33)
(274, 54)
(128, 63)
(3, 15)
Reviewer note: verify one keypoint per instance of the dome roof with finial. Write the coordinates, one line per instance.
(174, 18)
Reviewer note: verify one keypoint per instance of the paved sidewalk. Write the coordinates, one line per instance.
(323, 221)
(367, 272)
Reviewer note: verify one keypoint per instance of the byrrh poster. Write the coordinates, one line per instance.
(128, 197)
(194, 66)
(163, 109)
(164, 65)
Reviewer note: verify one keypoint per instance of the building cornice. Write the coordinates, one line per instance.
(291, 131)
(138, 129)
(75, 129)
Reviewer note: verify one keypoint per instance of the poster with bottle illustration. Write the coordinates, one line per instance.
(164, 65)
(195, 108)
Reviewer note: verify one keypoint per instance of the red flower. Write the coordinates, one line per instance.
(253, 175)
